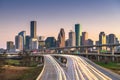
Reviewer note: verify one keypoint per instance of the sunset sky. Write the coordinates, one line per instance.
(51, 15)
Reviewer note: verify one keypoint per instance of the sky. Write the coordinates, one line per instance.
(94, 16)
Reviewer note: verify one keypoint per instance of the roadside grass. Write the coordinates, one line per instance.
(15, 70)
(31, 74)
(12, 62)
(115, 67)
(20, 73)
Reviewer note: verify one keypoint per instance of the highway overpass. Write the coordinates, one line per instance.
(77, 68)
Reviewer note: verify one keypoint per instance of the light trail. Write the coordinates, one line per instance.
(52, 70)
(77, 68)
(83, 70)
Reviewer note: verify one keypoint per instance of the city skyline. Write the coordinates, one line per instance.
(96, 15)
(32, 42)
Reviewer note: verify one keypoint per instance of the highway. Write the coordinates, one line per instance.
(107, 72)
(77, 68)
(51, 70)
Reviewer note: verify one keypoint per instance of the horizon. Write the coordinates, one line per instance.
(52, 15)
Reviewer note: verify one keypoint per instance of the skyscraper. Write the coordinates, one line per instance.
(72, 38)
(41, 42)
(27, 42)
(50, 42)
(112, 39)
(84, 38)
(10, 45)
(90, 42)
(33, 29)
(102, 39)
(107, 39)
(116, 41)
(19, 42)
(67, 43)
(96, 42)
(23, 34)
(61, 38)
(33, 43)
(41, 38)
(78, 34)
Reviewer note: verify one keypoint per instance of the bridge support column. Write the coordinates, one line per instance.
(31, 59)
(62, 51)
(41, 60)
(98, 50)
(98, 56)
(68, 51)
(113, 51)
(86, 50)
(56, 51)
(77, 50)
(36, 59)
(60, 59)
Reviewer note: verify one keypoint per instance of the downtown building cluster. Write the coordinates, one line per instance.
(33, 42)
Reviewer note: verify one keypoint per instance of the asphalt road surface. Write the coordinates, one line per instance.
(77, 68)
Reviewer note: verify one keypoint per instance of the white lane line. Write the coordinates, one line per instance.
(96, 72)
(61, 73)
(38, 78)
